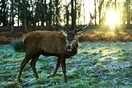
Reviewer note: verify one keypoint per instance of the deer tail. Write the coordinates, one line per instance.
(18, 45)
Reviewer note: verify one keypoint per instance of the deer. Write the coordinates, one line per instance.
(62, 44)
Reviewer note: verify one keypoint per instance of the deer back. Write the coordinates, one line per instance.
(47, 43)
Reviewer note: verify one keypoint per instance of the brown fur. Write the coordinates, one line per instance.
(46, 43)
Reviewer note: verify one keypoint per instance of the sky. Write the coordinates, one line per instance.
(89, 5)
(89, 8)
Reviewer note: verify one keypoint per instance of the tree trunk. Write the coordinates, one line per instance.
(50, 13)
(57, 13)
(73, 13)
(12, 18)
(67, 14)
(95, 11)
(128, 12)
(25, 25)
(100, 8)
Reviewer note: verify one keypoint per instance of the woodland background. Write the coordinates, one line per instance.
(104, 58)
(25, 15)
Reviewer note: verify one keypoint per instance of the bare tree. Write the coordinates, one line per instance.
(128, 11)
(73, 13)
(4, 12)
(12, 17)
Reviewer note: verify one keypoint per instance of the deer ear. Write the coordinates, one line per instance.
(64, 32)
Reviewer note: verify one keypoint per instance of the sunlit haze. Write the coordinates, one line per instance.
(112, 18)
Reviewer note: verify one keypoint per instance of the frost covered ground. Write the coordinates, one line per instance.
(97, 65)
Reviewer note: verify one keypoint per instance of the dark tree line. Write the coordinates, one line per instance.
(32, 13)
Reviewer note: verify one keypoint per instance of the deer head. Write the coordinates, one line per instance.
(72, 36)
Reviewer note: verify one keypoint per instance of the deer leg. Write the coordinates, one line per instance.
(33, 64)
(57, 66)
(63, 64)
(23, 63)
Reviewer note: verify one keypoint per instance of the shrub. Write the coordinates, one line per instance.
(4, 40)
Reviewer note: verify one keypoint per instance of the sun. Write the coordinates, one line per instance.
(112, 18)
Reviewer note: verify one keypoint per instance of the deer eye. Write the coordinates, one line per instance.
(75, 38)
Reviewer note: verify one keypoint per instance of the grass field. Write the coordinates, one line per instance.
(97, 65)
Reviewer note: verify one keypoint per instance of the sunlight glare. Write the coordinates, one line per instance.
(112, 18)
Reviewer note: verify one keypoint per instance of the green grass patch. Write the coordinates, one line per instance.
(101, 65)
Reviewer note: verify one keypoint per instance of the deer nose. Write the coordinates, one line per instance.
(69, 48)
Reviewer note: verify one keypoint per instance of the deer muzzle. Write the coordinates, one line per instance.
(69, 48)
